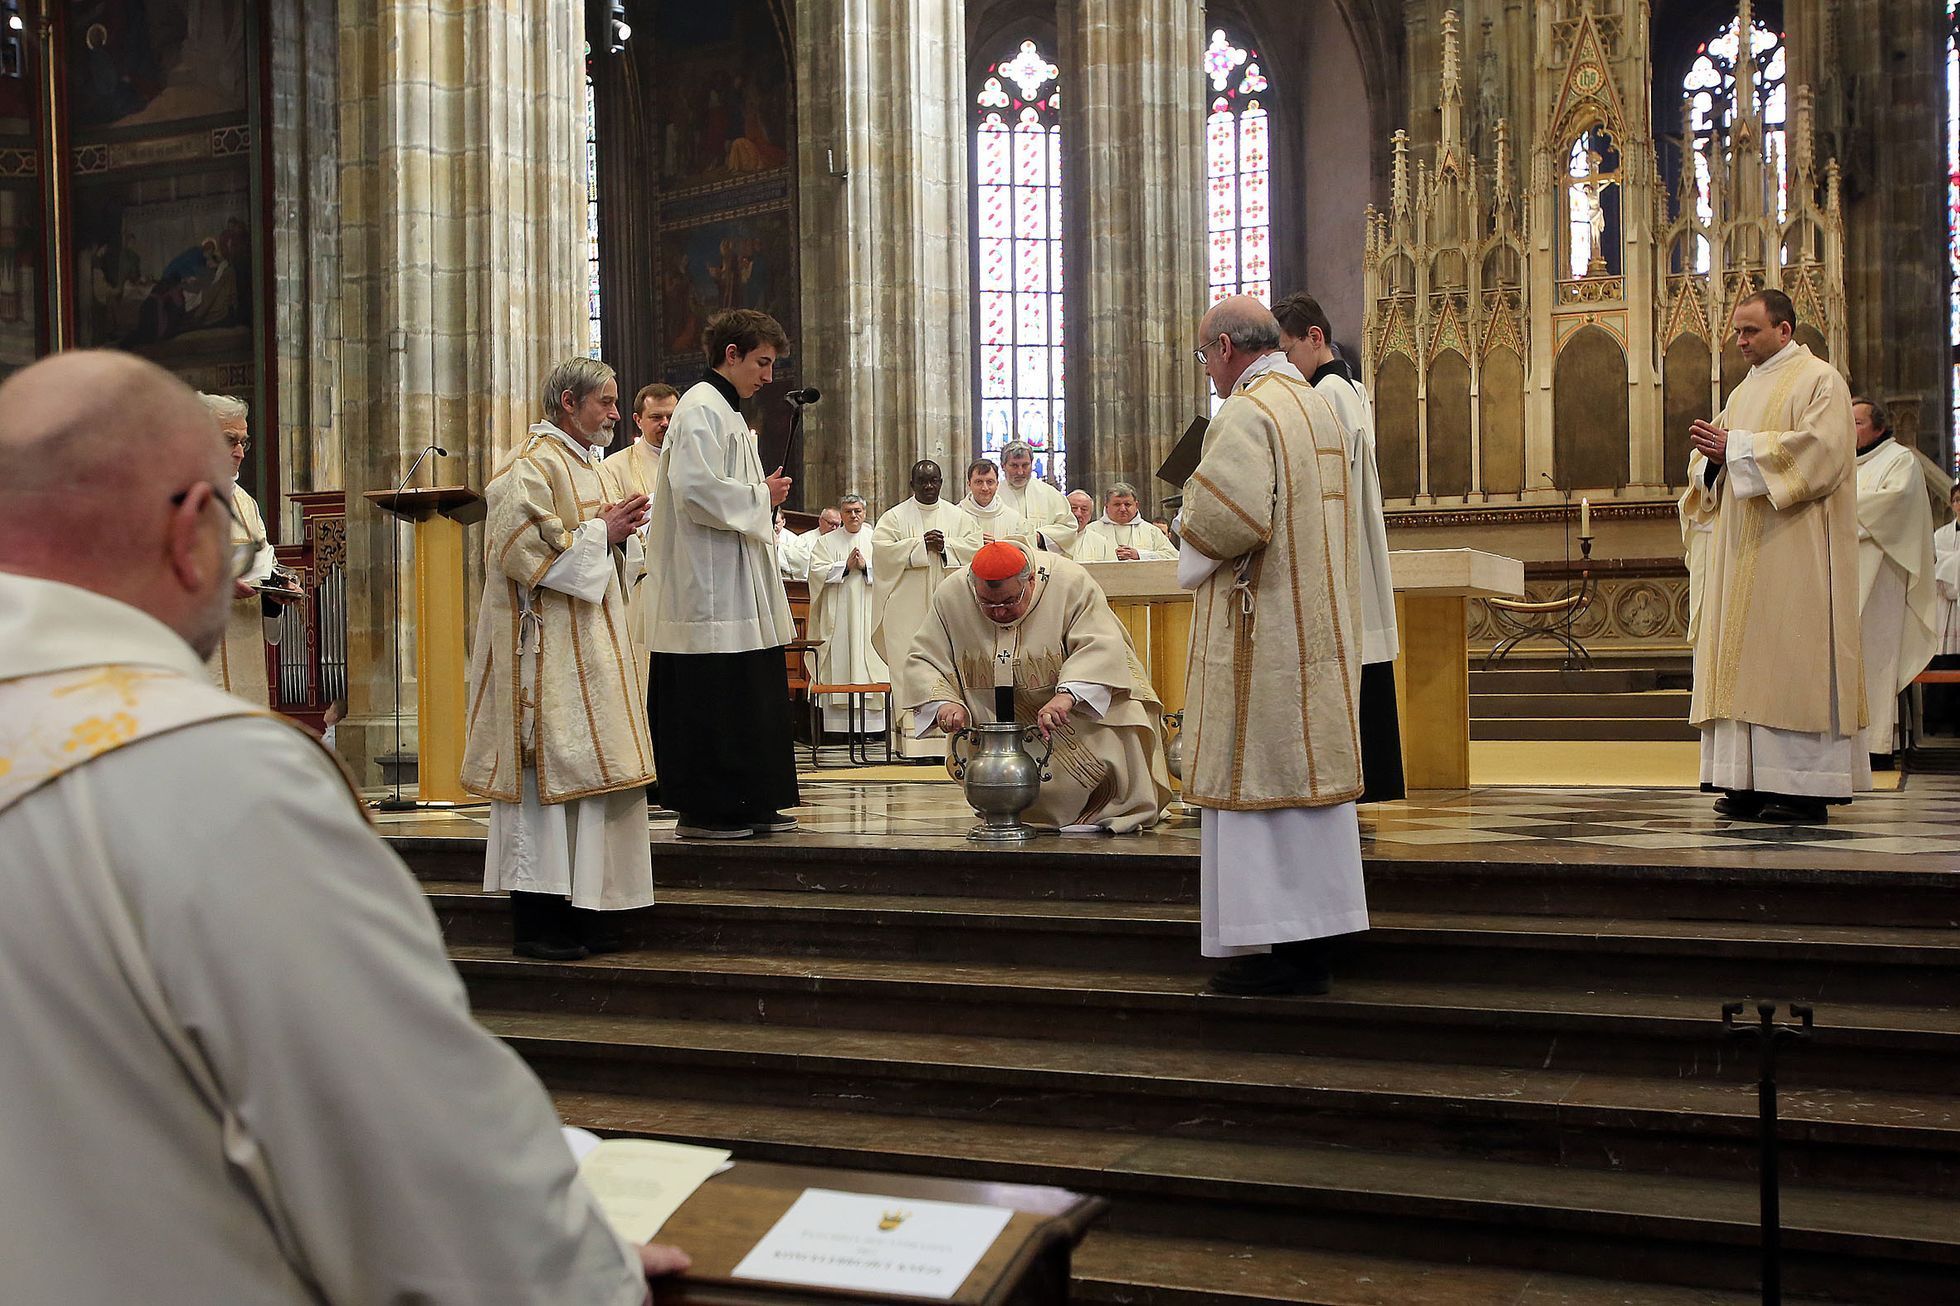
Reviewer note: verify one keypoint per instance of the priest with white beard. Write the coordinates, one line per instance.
(1082, 544)
(557, 730)
(915, 545)
(1307, 338)
(1896, 592)
(238, 665)
(1779, 664)
(1271, 705)
(841, 589)
(1043, 508)
(991, 517)
(1133, 538)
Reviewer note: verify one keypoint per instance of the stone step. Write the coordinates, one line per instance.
(1803, 963)
(1863, 1247)
(1908, 1049)
(1891, 1142)
(1517, 680)
(1600, 726)
(1657, 704)
(1800, 887)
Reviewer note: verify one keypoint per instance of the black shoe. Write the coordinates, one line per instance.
(689, 827)
(1884, 762)
(1263, 974)
(1739, 806)
(773, 823)
(599, 931)
(540, 927)
(1796, 811)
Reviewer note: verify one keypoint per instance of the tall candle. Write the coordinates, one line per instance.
(1585, 518)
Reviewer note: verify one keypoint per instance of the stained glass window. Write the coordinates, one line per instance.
(1017, 230)
(1710, 90)
(591, 209)
(1238, 153)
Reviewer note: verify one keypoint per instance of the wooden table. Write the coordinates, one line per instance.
(1432, 673)
(1028, 1265)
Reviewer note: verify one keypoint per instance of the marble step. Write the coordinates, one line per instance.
(1665, 1229)
(1894, 1142)
(1802, 963)
(1670, 704)
(1552, 1026)
(1605, 725)
(1800, 887)
(1522, 680)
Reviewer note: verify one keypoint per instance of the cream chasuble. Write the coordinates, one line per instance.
(1896, 592)
(1271, 719)
(630, 472)
(1151, 544)
(1779, 694)
(192, 1001)
(1946, 583)
(840, 616)
(557, 725)
(1084, 545)
(997, 521)
(239, 663)
(907, 574)
(1108, 763)
(1043, 508)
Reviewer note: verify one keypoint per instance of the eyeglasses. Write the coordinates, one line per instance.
(1203, 353)
(242, 551)
(242, 443)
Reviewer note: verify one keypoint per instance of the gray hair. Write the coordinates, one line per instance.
(1015, 449)
(226, 408)
(850, 498)
(1122, 490)
(1248, 324)
(579, 375)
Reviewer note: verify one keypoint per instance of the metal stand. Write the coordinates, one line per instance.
(1769, 1038)
(1552, 619)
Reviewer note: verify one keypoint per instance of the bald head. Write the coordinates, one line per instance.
(93, 445)
(1235, 331)
(1083, 505)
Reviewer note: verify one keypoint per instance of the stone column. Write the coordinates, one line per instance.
(882, 174)
(1132, 132)
(462, 199)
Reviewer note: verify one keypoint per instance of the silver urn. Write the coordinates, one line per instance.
(1174, 746)
(1002, 777)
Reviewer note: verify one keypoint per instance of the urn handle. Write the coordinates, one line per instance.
(1029, 738)
(953, 752)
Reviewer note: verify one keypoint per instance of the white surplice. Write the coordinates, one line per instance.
(1895, 584)
(1043, 508)
(997, 521)
(793, 553)
(1295, 872)
(1084, 545)
(1946, 583)
(1379, 639)
(214, 893)
(907, 575)
(1151, 544)
(840, 616)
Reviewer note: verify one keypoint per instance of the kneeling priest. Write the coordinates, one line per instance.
(1039, 624)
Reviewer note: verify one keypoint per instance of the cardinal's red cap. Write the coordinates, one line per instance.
(999, 561)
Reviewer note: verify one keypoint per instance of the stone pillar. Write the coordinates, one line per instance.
(1132, 132)
(882, 174)
(462, 222)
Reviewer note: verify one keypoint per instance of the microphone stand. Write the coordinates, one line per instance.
(395, 802)
(790, 448)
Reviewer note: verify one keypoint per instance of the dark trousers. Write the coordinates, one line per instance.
(723, 739)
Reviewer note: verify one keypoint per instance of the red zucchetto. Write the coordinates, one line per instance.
(998, 561)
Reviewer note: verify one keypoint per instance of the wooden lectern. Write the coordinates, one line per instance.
(439, 513)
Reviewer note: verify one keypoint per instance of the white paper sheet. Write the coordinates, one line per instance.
(640, 1183)
(898, 1246)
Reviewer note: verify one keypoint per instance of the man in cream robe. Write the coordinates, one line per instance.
(1133, 538)
(1943, 701)
(792, 550)
(1043, 508)
(1896, 593)
(1779, 695)
(719, 696)
(991, 517)
(189, 1013)
(557, 737)
(1271, 718)
(630, 472)
(1082, 544)
(1039, 623)
(913, 548)
(841, 587)
(238, 664)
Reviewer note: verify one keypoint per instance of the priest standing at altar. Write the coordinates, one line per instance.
(1271, 702)
(1896, 594)
(1043, 508)
(1307, 338)
(1778, 663)
(719, 695)
(1133, 538)
(912, 549)
(840, 615)
(557, 737)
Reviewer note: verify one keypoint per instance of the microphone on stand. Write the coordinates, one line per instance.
(395, 802)
(798, 400)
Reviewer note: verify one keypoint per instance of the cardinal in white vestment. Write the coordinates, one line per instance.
(238, 664)
(1779, 691)
(233, 1037)
(991, 516)
(913, 548)
(557, 731)
(1896, 591)
(841, 588)
(1133, 538)
(1037, 625)
(1082, 544)
(1044, 509)
(1307, 338)
(1271, 717)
